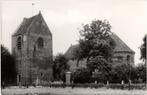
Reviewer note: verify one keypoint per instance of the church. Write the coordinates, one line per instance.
(32, 48)
(122, 54)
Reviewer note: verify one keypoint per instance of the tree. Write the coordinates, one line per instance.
(100, 68)
(96, 46)
(141, 72)
(122, 72)
(143, 49)
(96, 41)
(8, 70)
(60, 66)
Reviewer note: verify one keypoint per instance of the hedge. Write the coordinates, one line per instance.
(92, 85)
(113, 86)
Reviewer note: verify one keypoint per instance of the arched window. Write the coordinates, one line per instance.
(19, 78)
(40, 42)
(19, 43)
(128, 58)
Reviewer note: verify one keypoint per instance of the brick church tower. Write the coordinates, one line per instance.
(32, 48)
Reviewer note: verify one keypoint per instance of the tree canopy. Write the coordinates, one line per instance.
(95, 40)
(60, 66)
(8, 70)
(143, 49)
(141, 72)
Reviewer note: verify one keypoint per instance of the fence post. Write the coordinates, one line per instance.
(122, 83)
(107, 85)
(107, 82)
(68, 77)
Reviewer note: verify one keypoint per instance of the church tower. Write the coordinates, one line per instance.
(32, 48)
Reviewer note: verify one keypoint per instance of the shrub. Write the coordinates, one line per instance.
(82, 75)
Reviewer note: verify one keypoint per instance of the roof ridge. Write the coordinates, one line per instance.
(33, 17)
(18, 27)
(25, 24)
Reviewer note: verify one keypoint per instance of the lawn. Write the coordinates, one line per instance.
(69, 91)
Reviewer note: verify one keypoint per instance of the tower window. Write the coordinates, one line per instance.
(19, 43)
(128, 58)
(19, 78)
(40, 42)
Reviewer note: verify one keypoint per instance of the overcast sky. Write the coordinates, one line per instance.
(128, 19)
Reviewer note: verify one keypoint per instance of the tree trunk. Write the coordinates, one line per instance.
(78, 62)
(87, 59)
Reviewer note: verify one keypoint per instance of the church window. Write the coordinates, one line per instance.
(128, 58)
(41, 74)
(19, 78)
(19, 43)
(40, 42)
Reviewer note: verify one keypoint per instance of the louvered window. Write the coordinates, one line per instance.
(128, 58)
(19, 43)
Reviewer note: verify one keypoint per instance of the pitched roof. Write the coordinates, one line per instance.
(69, 52)
(26, 23)
(120, 47)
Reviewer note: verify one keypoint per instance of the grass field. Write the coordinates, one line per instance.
(69, 91)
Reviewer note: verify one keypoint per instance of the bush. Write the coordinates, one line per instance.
(141, 72)
(100, 85)
(82, 75)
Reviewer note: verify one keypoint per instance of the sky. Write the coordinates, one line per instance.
(64, 18)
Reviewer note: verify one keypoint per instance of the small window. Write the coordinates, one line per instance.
(41, 74)
(19, 43)
(40, 43)
(128, 58)
(19, 78)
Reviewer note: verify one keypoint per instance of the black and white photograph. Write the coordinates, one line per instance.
(73, 47)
